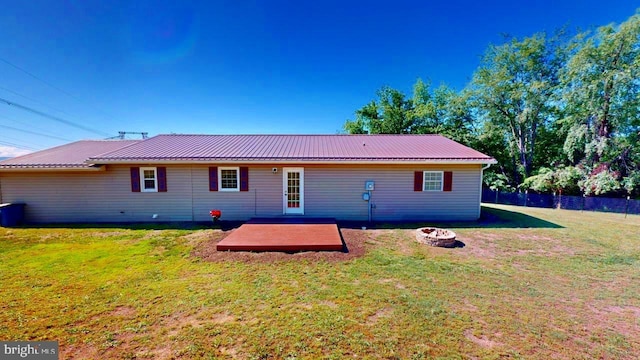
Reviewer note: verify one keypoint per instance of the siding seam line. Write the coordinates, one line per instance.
(193, 215)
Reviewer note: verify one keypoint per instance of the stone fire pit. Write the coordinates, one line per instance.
(436, 237)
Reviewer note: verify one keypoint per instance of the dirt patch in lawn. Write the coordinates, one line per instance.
(79, 351)
(106, 234)
(617, 318)
(481, 341)
(373, 319)
(482, 246)
(126, 312)
(200, 236)
(357, 241)
(491, 246)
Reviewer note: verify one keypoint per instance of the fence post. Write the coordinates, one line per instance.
(584, 196)
(560, 201)
(526, 197)
(626, 207)
(497, 192)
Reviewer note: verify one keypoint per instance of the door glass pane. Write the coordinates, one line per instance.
(293, 190)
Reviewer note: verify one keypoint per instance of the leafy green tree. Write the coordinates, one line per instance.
(497, 182)
(513, 89)
(491, 140)
(600, 183)
(440, 111)
(601, 94)
(567, 179)
(631, 183)
(602, 91)
(564, 179)
(390, 113)
(557, 115)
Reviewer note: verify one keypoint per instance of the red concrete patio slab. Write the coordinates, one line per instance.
(289, 235)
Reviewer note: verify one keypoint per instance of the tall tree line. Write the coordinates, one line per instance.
(558, 112)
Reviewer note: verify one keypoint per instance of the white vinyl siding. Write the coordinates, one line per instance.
(394, 197)
(432, 180)
(329, 191)
(148, 179)
(100, 196)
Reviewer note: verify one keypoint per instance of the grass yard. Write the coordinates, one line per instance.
(529, 284)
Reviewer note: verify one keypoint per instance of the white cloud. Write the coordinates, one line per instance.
(10, 151)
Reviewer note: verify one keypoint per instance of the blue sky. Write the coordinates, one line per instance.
(242, 67)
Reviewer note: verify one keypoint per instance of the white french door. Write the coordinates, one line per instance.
(293, 189)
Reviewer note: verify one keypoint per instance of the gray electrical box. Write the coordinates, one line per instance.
(369, 185)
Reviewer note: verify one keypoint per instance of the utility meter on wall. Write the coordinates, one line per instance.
(368, 185)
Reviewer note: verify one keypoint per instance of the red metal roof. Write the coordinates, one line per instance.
(73, 155)
(313, 148)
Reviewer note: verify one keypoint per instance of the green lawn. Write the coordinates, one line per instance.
(530, 283)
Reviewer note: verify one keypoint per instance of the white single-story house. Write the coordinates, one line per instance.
(182, 177)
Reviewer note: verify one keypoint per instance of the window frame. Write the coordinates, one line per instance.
(424, 180)
(155, 179)
(237, 170)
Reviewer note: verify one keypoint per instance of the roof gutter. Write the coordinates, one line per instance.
(299, 161)
(28, 168)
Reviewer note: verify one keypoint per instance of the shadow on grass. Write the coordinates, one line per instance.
(489, 218)
(178, 225)
(455, 245)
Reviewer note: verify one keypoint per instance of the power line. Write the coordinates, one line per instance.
(34, 100)
(17, 146)
(51, 85)
(58, 119)
(32, 127)
(34, 133)
(24, 143)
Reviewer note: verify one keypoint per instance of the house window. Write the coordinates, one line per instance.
(228, 179)
(432, 181)
(149, 179)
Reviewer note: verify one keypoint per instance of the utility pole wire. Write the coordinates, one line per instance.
(24, 143)
(17, 146)
(34, 100)
(29, 125)
(51, 85)
(67, 122)
(34, 133)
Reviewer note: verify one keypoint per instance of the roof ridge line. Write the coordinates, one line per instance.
(33, 152)
(341, 135)
(118, 149)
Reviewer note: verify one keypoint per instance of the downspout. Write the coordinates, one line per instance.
(370, 207)
(480, 190)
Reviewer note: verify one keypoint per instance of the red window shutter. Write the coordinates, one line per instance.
(244, 179)
(448, 181)
(213, 178)
(162, 179)
(417, 181)
(135, 179)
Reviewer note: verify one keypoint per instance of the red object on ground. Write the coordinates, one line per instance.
(284, 237)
